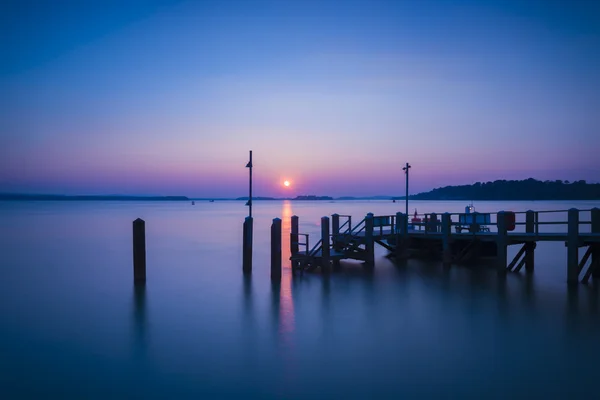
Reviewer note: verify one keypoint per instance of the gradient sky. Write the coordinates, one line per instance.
(167, 97)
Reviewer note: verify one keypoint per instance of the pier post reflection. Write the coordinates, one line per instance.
(139, 320)
(282, 303)
(286, 301)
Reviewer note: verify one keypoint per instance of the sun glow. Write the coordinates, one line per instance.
(286, 183)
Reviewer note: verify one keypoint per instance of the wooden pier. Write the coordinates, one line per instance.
(445, 236)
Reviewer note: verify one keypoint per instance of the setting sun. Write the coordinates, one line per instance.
(286, 183)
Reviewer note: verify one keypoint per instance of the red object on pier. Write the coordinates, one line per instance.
(509, 218)
(415, 218)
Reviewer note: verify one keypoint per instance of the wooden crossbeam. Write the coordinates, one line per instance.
(587, 255)
(593, 265)
(517, 257)
(520, 265)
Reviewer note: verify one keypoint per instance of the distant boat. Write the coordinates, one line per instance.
(193, 202)
(211, 201)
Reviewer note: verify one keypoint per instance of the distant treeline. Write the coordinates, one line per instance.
(529, 189)
(15, 196)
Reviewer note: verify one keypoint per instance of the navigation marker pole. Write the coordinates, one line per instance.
(406, 171)
(247, 245)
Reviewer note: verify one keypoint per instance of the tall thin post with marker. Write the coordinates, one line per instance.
(248, 228)
(249, 203)
(405, 169)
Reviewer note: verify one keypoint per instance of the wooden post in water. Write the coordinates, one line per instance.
(573, 246)
(139, 251)
(294, 248)
(432, 226)
(400, 243)
(501, 243)
(369, 240)
(325, 254)
(595, 214)
(335, 231)
(247, 250)
(446, 231)
(276, 249)
(529, 246)
(294, 237)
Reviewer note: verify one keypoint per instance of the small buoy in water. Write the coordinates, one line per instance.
(394, 200)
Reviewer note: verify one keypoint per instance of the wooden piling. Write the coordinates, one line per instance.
(446, 232)
(573, 246)
(294, 248)
(276, 249)
(247, 245)
(529, 246)
(400, 237)
(139, 251)
(335, 231)
(433, 221)
(501, 243)
(325, 253)
(369, 240)
(595, 214)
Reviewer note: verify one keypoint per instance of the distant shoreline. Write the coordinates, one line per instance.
(53, 197)
(500, 190)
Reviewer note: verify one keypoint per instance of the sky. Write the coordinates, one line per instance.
(162, 97)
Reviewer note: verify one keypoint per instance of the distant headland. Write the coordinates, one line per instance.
(528, 189)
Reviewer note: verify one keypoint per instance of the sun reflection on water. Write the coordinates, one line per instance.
(286, 310)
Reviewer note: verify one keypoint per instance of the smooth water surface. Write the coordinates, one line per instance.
(74, 326)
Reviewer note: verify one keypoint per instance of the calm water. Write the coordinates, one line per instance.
(74, 326)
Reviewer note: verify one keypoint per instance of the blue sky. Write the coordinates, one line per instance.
(167, 97)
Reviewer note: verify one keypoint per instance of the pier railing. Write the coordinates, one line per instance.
(431, 222)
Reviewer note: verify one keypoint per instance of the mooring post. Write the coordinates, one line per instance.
(369, 240)
(139, 251)
(400, 228)
(276, 249)
(335, 231)
(573, 246)
(325, 253)
(433, 223)
(294, 247)
(530, 246)
(595, 214)
(501, 243)
(247, 250)
(446, 232)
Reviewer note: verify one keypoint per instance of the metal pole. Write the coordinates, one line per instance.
(249, 203)
(406, 210)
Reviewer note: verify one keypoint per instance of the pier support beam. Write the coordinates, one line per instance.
(446, 232)
(294, 248)
(501, 243)
(529, 246)
(432, 226)
(573, 246)
(335, 231)
(276, 249)
(401, 236)
(139, 251)
(325, 254)
(247, 245)
(369, 240)
(595, 214)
